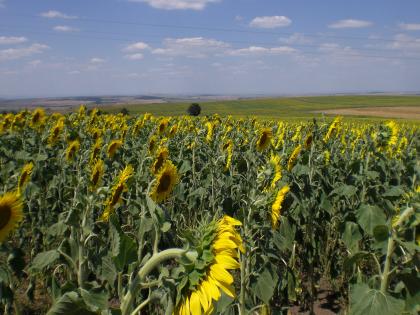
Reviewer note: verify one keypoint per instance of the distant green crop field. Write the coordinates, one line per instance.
(287, 107)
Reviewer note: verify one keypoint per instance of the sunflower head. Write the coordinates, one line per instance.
(56, 131)
(166, 179)
(113, 146)
(97, 173)
(38, 117)
(11, 214)
(152, 144)
(160, 159)
(163, 124)
(72, 149)
(173, 130)
(293, 157)
(24, 177)
(264, 139)
(215, 252)
(277, 205)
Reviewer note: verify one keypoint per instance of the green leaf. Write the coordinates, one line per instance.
(344, 190)
(369, 217)
(44, 259)
(69, 304)
(96, 299)
(381, 233)
(127, 252)
(350, 261)
(351, 236)
(394, 191)
(109, 273)
(367, 301)
(264, 288)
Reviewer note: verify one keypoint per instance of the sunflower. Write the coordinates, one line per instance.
(55, 132)
(308, 141)
(38, 117)
(11, 214)
(117, 191)
(161, 157)
(96, 149)
(71, 150)
(393, 128)
(210, 131)
(113, 147)
(222, 255)
(97, 173)
(96, 133)
(276, 207)
(166, 179)
(264, 139)
(152, 143)
(333, 129)
(25, 175)
(163, 124)
(228, 147)
(292, 160)
(275, 162)
(173, 130)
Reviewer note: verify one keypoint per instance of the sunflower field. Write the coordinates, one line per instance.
(111, 214)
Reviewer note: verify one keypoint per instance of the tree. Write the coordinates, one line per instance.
(125, 111)
(194, 109)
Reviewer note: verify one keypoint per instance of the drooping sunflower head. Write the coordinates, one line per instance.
(97, 173)
(24, 177)
(210, 131)
(56, 131)
(163, 124)
(166, 179)
(117, 190)
(173, 131)
(393, 133)
(216, 252)
(38, 117)
(308, 141)
(96, 149)
(96, 133)
(152, 144)
(333, 129)
(113, 146)
(264, 139)
(82, 111)
(276, 165)
(293, 157)
(161, 156)
(72, 149)
(277, 205)
(11, 214)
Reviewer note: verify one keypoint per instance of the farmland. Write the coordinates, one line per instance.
(102, 213)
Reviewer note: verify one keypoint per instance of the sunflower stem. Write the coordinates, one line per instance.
(152, 263)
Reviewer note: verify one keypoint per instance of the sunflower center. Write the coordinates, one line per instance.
(263, 139)
(5, 215)
(164, 183)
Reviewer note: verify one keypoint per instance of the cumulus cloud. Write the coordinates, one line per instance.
(65, 29)
(192, 47)
(256, 50)
(296, 38)
(52, 14)
(4, 40)
(270, 21)
(136, 47)
(410, 26)
(177, 4)
(137, 56)
(350, 23)
(17, 53)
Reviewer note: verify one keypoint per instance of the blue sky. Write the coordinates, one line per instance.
(106, 47)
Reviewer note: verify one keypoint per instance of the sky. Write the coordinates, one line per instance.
(54, 48)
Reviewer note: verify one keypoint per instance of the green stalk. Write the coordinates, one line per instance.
(152, 263)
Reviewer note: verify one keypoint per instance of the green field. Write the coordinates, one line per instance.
(287, 107)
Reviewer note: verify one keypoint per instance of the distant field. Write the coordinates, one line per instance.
(292, 107)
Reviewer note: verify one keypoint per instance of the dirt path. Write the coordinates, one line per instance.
(407, 112)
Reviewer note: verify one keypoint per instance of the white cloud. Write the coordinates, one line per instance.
(192, 47)
(17, 53)
(96, 60)
(65, 29)
(178, 4)
(52, 14)
(256, 50)
(4, 40)
(137, 56)
(296, 38)
(406, 43)
(34, 63)
(270, 21)
(410, 26)
(74, 72)
(136, 47)
(350, 23)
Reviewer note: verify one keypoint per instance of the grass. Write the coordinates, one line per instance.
(287, 107)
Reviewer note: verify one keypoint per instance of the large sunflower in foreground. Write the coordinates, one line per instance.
(166, 179)
(264, 140)
(10, 214)
(210, 274)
